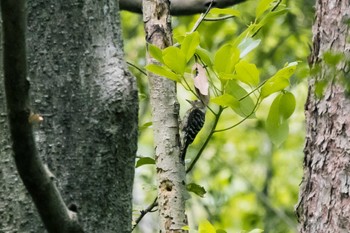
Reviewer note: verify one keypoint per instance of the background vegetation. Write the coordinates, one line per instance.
(250, 183)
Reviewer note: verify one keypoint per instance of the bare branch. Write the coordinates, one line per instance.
(36, 178)
(180, 7)
(143, 213)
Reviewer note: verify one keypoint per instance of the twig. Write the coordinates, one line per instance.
(241, 121)
(219, 18)
(136, 67)
(144, 212)
(199, 21)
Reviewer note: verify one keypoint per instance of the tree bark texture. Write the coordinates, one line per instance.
(35, 176)
(81, 86)
(324, 201)
(165, 114)
(180, 7)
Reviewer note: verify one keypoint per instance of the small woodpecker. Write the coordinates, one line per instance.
(192, 123)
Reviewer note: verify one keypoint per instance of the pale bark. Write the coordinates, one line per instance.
(324, 201)
(180, 7)
(81, 86)
(165, 113)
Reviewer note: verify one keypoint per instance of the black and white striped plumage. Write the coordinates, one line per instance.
(192, 123)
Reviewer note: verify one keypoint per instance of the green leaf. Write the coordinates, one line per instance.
(220, 231)
(246, 105)
(279, 81)
(332, 58)
(187, 228)
(205, 56)
(206, 227)
(273, 85)
(144, 161)
(161, 71)
(155, 52)
(195, 188)
(226, 100)
(247, 73)
(224, 77)
(174, 59)
(276, 126)
(287, 105)
(270, 16)
(256, 231)
(189, 45)
(263, 5)
(226, 58)
(145, 126)
(225, 11)
(247, 45)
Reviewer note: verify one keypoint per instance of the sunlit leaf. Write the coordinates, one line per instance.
(226, 100)
(225, 11)
(256, 231)
(144, 161)
(174, 59)
(276, 126)
(195, 188)
(206, 227)
(287, 105)
(220, 231)
(247, 45)
(246, 105)
(156, 53)
(226, 58)
(145, 126)
(279, 81)
(204, 55)
(247, 73)
(224, 77)
(263, 5)
(270, 16)
(161, 71)
(189, 45)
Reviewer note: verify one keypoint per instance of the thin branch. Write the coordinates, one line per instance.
(241, 121)
(144, 212)
(180, 7)
(199, 21)
(219, 18)
(201, 18)
(255, 89)
(136, 67)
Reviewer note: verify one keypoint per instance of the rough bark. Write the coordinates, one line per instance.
(81, 86)
(324, 201)
(165, 113)
(35, 176)
(180, 7)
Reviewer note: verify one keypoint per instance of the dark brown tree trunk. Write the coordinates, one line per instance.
(80, 85)
(324, 194)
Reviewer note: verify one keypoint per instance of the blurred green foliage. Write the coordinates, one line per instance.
(250, 183)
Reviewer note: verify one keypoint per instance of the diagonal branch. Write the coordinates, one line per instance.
(35, 176)
(180, 7)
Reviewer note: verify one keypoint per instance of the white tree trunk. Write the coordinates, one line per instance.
(165, 112)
